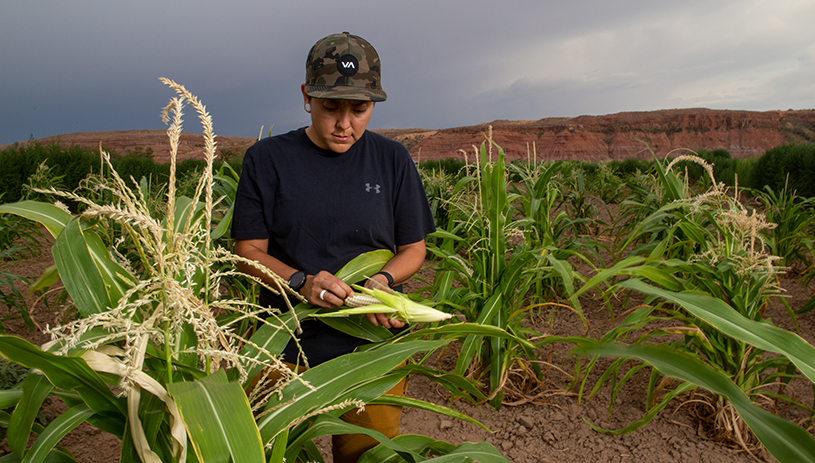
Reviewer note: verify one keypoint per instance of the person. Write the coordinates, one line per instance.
(311, 200)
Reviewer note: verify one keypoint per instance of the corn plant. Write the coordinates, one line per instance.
(794, 217)
(152, 324)
(538, 193)
(605, 184)
(576, 200)
(642, 222)
(487, 269)
(441, 189)
(709, 281)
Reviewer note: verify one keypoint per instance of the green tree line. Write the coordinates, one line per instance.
(72, 164)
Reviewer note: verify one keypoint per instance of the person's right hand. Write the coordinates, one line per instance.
(335, 289)
(381, 319)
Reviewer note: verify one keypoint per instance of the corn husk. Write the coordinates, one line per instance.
(396, 305)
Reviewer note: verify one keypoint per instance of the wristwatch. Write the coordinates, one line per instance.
(387, 276)
(297, 280)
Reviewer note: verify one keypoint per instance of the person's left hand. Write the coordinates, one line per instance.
(381, 319)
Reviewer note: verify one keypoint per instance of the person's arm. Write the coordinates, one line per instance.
(336, 289)
(407, 261)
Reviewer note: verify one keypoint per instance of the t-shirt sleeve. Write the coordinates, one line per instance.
(248, 219)
(412, 214)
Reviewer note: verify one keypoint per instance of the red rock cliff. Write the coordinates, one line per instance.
(583, 138)
(622, 135)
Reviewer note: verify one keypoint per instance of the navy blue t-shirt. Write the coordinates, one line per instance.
(320, 209)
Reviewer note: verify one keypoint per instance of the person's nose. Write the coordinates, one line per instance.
(344, 118)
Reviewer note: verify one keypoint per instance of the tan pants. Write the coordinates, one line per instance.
(347, 448)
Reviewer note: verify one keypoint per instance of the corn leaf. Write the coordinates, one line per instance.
(224, 224)
(364, 265)
(330, 380)
(279, 448)
(219, 420)
(53, 218)
(186, 210)
(467, 330)
(360, 327)
(79, 272)
(605, 274)
(564, 270)
(70, 373)
(56, 430)
(431, 407)
(373, 308)
(652, 412)
(473, 343)
(10, 397)
(417, 443)
(481, 452)
(723, 317)
(56, 220)
(785, 440)
(117, 280)
(35, 389)
(48, 278)
(458, 385)
(325, 425)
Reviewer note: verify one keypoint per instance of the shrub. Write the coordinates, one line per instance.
(794, 162)
(629, 167)
(450, 166)
(22, 161)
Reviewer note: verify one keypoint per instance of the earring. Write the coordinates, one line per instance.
(308, 108)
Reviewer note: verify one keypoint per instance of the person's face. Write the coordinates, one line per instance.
(337, 124)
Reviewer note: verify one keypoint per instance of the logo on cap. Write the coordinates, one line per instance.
(348, 65)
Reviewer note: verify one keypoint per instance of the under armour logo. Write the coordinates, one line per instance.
(368, 188)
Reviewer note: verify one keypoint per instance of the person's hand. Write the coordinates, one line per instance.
(325, 290)
(381, 319)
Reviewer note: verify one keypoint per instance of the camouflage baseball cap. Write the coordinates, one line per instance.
(344, 66)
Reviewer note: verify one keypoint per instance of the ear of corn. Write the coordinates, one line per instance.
(398, 305)
(407, 310)
(373, 308)
(360, 300)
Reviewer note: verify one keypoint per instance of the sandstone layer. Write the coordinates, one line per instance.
(623, 135)
(583, 138)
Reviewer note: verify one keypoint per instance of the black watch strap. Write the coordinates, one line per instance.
(297, 280)
(388, 276)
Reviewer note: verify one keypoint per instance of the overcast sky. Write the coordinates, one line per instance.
(93, 65)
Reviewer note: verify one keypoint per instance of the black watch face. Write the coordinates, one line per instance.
(297, 280)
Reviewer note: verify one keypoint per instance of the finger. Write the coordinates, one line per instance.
(383, 320)
(325, 280)
(378, 282)
(329, 298)
(372, 318)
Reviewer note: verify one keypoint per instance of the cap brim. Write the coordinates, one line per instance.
(346, 93)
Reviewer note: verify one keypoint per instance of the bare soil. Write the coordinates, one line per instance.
(551, 428)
